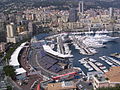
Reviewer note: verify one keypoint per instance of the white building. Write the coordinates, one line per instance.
(12, 33)
(2, 46)
(11, 30)
(111, 12)
(20, 72)
(109, 79)
(81, 7)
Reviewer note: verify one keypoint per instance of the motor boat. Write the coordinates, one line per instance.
(92, 60)
(99, 64)
(104, 38)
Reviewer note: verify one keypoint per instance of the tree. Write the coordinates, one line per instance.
(9, 71)
(1, 54)
(9, 87)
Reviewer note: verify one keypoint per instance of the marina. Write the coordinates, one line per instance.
(117, 55)
(95, 66)
(92, 64)
(110, 60)
(60, 44)
(82, 46)
(108, 48)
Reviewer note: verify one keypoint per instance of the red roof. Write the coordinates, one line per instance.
(64, 75)
(38, 87)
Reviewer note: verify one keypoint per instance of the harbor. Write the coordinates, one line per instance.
(105, 49)
(93, 65)
(82, 46)
(117, 55)
(110, 60)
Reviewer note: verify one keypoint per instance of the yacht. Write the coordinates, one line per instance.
(76, 46)
(103, 67)
(52, 46)
(88, 67)
(117, 55)
(77, 68)
(104, 38)
(99, 64)
(92, 42)
(82, 61)
(105, 70)
(108, 62)
(92, 60)
(102, 32)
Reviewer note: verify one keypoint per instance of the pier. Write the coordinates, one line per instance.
(67, 49)
(115, 62)
(60, 45)
(94, 66)
(83, 48)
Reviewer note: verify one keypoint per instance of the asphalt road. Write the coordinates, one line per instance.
(13, 84)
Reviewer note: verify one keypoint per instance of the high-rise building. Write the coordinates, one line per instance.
(30, 28)
(81, 7)
(12, 33)
(19, 19)
(73, 15)
(2, 46)
(11, 30)
(3, 22)
(111, 12)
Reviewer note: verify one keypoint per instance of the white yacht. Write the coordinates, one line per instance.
(52, 46)
(82, 61)
(92, 42)
(108, 62)
(103, 67)
(101, 32)
(77, 68)
(92, 60)
(105, 70)
(88, 67)
(76, 46)
(117, 55)
(104, 38)
(99, 64)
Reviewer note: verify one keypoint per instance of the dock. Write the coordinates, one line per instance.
(60, 45)
(94, 66)
(83, 48)
(114, 61)
(117, 55)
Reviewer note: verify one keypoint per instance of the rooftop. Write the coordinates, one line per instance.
(100, 78)
(113, 74)
(14, 57)
(49, 50)
(20, 71)
(61, 86)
